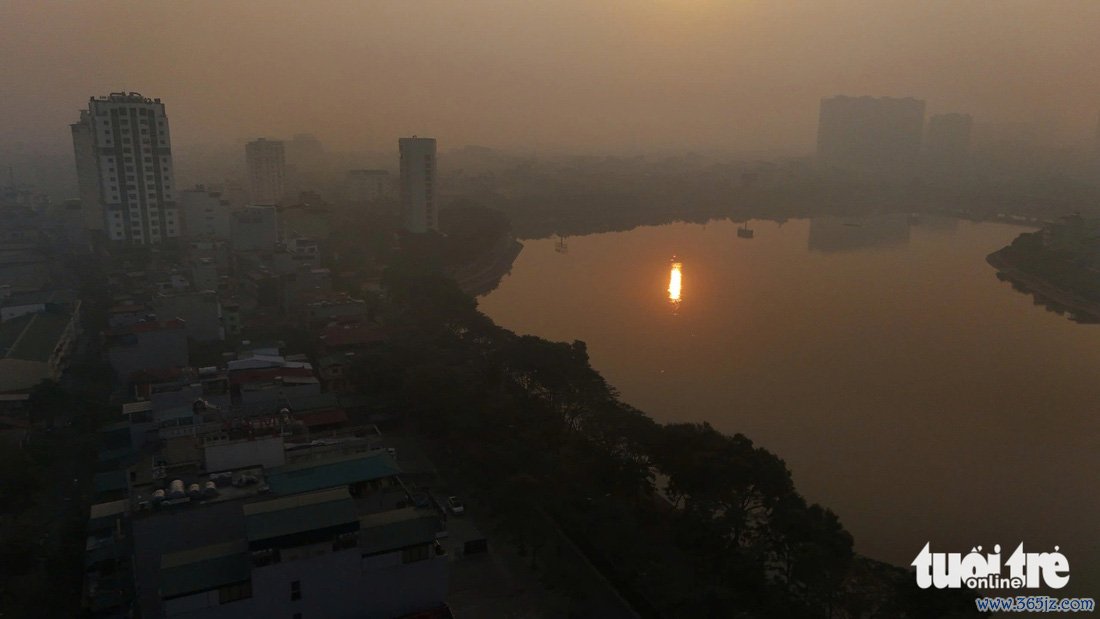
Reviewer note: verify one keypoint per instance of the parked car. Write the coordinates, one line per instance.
(455, 505)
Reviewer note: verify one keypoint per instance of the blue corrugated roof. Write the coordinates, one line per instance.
(309, 476)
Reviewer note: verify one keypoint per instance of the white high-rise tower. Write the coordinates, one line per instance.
(124, 168)
(418, 174)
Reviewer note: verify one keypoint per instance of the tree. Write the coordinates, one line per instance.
(48, 400)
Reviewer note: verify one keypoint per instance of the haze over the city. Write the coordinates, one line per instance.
(567, 76)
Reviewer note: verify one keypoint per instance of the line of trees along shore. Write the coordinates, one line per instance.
(684, 520)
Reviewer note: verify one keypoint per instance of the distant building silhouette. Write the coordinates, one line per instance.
(204, 214)
(367, 186)
(124, 168)
(266, 161)
(949, 137)
(305, 149)
(881, 133)
(418, 175)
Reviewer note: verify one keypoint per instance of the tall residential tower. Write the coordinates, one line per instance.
(124, 168)
(418, 174)
(266, 170)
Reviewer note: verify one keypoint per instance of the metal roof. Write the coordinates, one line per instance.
(308, 476)
(204, 568)
(396, 529)
(297, 514)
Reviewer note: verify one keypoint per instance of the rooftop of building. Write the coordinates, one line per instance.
(53, 296)
(33, 337)
(128, 308)
(125, 97)
(150, 326)
(396, 528)
(306, 476)
(204, 568)
(295, 514)
(219, 564)
(342, 334)
(194, 546)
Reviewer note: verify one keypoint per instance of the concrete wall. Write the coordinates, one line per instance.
(267, 452)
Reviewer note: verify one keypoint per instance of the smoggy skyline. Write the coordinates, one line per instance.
(566, 75)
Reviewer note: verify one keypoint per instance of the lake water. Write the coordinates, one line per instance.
(906, 387)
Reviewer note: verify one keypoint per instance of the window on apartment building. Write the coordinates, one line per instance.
(296, 590)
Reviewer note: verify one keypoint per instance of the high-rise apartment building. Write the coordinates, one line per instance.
(882, 133)
(418, 175)
(124, 168)
(266, 170)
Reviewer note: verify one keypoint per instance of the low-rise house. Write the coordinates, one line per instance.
(147, 345)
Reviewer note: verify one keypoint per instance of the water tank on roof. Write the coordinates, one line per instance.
(210, 490)
(194, 491)
(158, 496)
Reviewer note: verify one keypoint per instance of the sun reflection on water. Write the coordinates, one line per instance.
(674, 279)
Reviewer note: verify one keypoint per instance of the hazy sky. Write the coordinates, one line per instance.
(738, 75)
